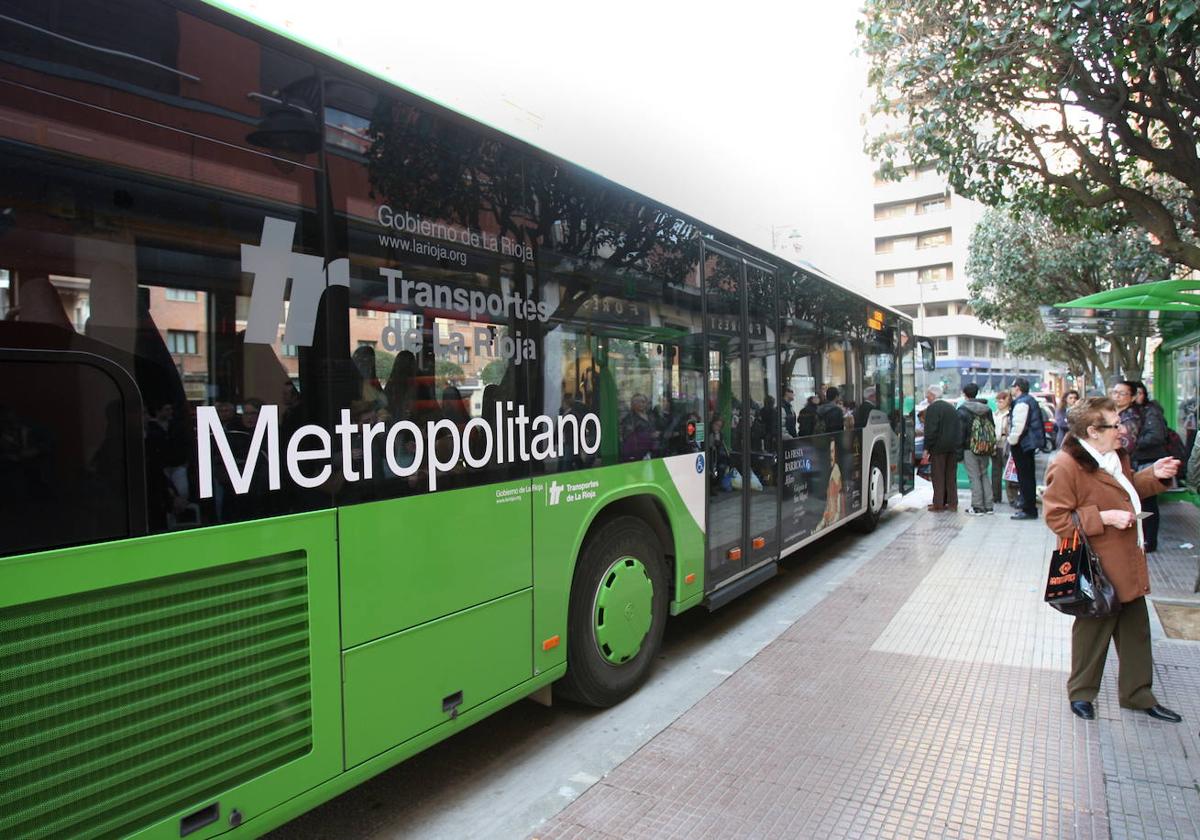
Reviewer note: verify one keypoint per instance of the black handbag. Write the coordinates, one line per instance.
(1076, 584)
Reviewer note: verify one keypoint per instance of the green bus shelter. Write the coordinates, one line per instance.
(1169, 309)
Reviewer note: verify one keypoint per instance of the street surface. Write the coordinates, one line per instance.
(505, 776)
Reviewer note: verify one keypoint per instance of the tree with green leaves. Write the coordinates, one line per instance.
(493, 371)
(445, 369)
(1017, 262)
(1059, 106)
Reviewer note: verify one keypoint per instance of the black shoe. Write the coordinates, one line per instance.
(1023, 515)
(1084, 709)
(1162, 713)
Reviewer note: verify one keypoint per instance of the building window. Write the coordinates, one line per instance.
(181, 342)
(941, 346)
(365, 313)
(909, 309)
(993, 349)
(885, 279)
(188, 295)
(895, 244)
(894, 210)
(935, 273)
(933, 205)
(933, 239)
(364, 343)
(964, 308)
(936, 310)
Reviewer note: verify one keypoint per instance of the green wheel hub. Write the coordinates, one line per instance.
(623, 610)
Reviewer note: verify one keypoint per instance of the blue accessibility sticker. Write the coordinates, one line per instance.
(700, 463)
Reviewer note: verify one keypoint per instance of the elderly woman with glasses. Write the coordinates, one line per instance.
(1092, 478)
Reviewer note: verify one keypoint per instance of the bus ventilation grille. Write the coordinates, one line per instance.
(123, 706)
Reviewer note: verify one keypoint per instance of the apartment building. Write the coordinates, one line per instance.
(921, 232)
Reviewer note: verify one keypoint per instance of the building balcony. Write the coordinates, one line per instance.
(947, 325)
(909, 291)
(925, 184)
(916, 257)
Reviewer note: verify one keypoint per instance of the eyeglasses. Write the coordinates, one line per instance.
(1107, 426)
(1121, 392)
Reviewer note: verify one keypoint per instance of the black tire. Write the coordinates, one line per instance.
(869, 519)
(592, 678)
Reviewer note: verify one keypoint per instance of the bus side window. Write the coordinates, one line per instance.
(623, 340)
(64, 456)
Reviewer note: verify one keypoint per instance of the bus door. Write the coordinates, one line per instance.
(743, 433)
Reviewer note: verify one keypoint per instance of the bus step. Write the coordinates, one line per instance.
(726, 594)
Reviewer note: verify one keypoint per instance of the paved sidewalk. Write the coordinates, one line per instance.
(924, 697)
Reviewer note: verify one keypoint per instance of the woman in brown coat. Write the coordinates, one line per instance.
(1092, 477)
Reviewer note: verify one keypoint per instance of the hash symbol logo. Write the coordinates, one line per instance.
(273, 263)
(555, 492)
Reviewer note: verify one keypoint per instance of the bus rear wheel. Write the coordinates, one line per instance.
(876, 494)
(617, 614)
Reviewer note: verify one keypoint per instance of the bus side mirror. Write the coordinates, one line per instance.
(925, 349)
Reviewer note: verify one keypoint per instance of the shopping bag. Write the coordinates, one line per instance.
(1076, 583)
(924, 468)
(1010, 469)
(726, 482)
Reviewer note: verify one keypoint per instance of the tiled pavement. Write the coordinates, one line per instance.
(924, 697)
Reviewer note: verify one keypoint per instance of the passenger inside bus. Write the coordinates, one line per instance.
(639, 438)
(720, 459)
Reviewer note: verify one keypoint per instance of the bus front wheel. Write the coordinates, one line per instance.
(617, 613)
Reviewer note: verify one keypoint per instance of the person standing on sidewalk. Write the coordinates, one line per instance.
(1093, 478)
(1060, 417)
(1127, 414)
(1151, 444)
(942, 443)
(977, 430)
(1025, 439)
(1002, 489)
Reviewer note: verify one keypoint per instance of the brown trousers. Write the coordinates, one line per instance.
(943, 471)
(1129, 630)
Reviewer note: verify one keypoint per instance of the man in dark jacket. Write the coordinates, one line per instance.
(789, 413)
(942, 441)
(1025, 439)
(807, 420)
(976, 459)
(830, 412)
(862, 414)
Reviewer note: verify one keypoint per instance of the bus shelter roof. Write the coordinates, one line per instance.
(1165, 308)
(1163, 296)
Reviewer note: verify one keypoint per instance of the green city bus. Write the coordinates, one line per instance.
(333, 422)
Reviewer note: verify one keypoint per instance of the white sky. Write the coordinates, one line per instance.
(745, 115)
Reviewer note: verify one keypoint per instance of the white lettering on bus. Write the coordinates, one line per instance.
(438, 448)
(295, 455)
(209, 428)
(406, 222)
